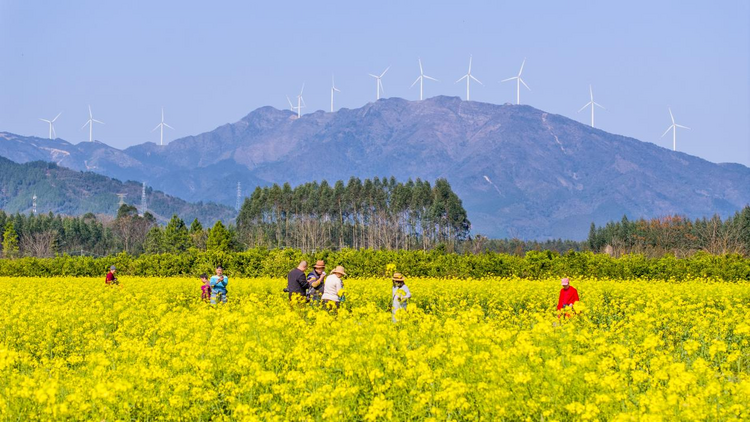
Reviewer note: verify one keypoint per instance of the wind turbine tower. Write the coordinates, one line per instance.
(673, 128)
(421, 79)
(519, 81)
(379, 83)
(161, 125)
(51, 125)
(90, 122)
(468, 76)
(333, 89)
(593, 104)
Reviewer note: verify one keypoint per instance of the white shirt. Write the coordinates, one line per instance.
(332, 287)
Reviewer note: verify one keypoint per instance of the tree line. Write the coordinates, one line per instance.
(374, 213)
(674, 235)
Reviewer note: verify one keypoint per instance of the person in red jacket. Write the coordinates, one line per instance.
(568, 296)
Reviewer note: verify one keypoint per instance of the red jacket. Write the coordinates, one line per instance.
(110, 278)
(567, 297)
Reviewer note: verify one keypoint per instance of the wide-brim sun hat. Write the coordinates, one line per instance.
(565, 282)
(320, 264)
(339, 270)
(398, 277)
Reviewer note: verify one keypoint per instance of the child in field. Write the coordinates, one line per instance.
(568, 297)
(205, 288)
(401, 294)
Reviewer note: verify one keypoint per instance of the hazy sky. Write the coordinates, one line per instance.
(212, 63)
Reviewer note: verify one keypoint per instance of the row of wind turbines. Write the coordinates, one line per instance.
(90, 123)
(468, 77)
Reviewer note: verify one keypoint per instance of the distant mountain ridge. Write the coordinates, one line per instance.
(519, 171)
(69, 192)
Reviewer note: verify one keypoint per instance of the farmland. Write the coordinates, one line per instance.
(469, 349)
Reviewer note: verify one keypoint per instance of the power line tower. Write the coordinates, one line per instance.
(33, 204)
(122, 199)
(143, 200)
(239, 196)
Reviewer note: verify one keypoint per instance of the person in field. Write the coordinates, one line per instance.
(111, 278)
(568, 296)
(218, 286)
(400, 295)
(296, 283)
(315, 280)
(333, 288)
(205, 288)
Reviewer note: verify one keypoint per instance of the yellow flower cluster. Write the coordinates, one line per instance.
(488, 349)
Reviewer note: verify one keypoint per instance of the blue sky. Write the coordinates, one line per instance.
(212, 63)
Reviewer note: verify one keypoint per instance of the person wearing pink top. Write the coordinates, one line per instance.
(205, 288)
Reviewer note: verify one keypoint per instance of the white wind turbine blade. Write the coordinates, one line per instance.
(524, 84)
(85, 124)
(670, 115)
(290, 102)
(599, 105)
(584, 107)
(53, 131)
(462, 78)
(168, 126)
(522, 64)
(303, 101)
(420, 67)
(90, 115)
(684, 127)
(591, 92)
(58, 115)
(302, 90)
(470, 57)
(97, 121)
(157, 127)
(382, 90)
(44, 120)
(430, 78)
(415, 82)
(667, 131)
(374, 76)
(336, 89)
(509, 79)
(162, 114)
(386, 70)
(472, 77)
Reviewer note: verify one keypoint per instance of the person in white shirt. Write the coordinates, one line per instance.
(333, 288)
(401, 294)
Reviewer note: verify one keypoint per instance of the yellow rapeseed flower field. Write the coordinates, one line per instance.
(491, 349)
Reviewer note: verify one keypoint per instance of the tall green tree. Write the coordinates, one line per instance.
(176, 236)
(10, 241)
(219, 238)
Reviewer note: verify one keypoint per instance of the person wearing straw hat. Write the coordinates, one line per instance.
(400, 295)
(568, 296)
(315, 280)
(333, 287)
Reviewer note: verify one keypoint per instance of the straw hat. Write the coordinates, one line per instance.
(398, 277)
(320, 264)
(339, 270)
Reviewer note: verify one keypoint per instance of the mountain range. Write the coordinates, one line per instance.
(520, 171)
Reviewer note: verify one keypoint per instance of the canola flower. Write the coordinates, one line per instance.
(491, 349)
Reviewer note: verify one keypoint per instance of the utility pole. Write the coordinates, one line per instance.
(122, 199)
(33, 204)
(143, 200)
(239, 196)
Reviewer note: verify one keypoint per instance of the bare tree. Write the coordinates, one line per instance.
(39, 244)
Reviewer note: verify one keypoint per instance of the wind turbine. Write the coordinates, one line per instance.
(333, 89)
(519, 81)
(673, 128)
(161, 125)
(51, 126)
(300, 102)
(591, 103)
(91, 122)
(468, 76)
(421, 79)
(379, 83)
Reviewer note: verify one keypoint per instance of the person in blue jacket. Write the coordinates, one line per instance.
(219, 286)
